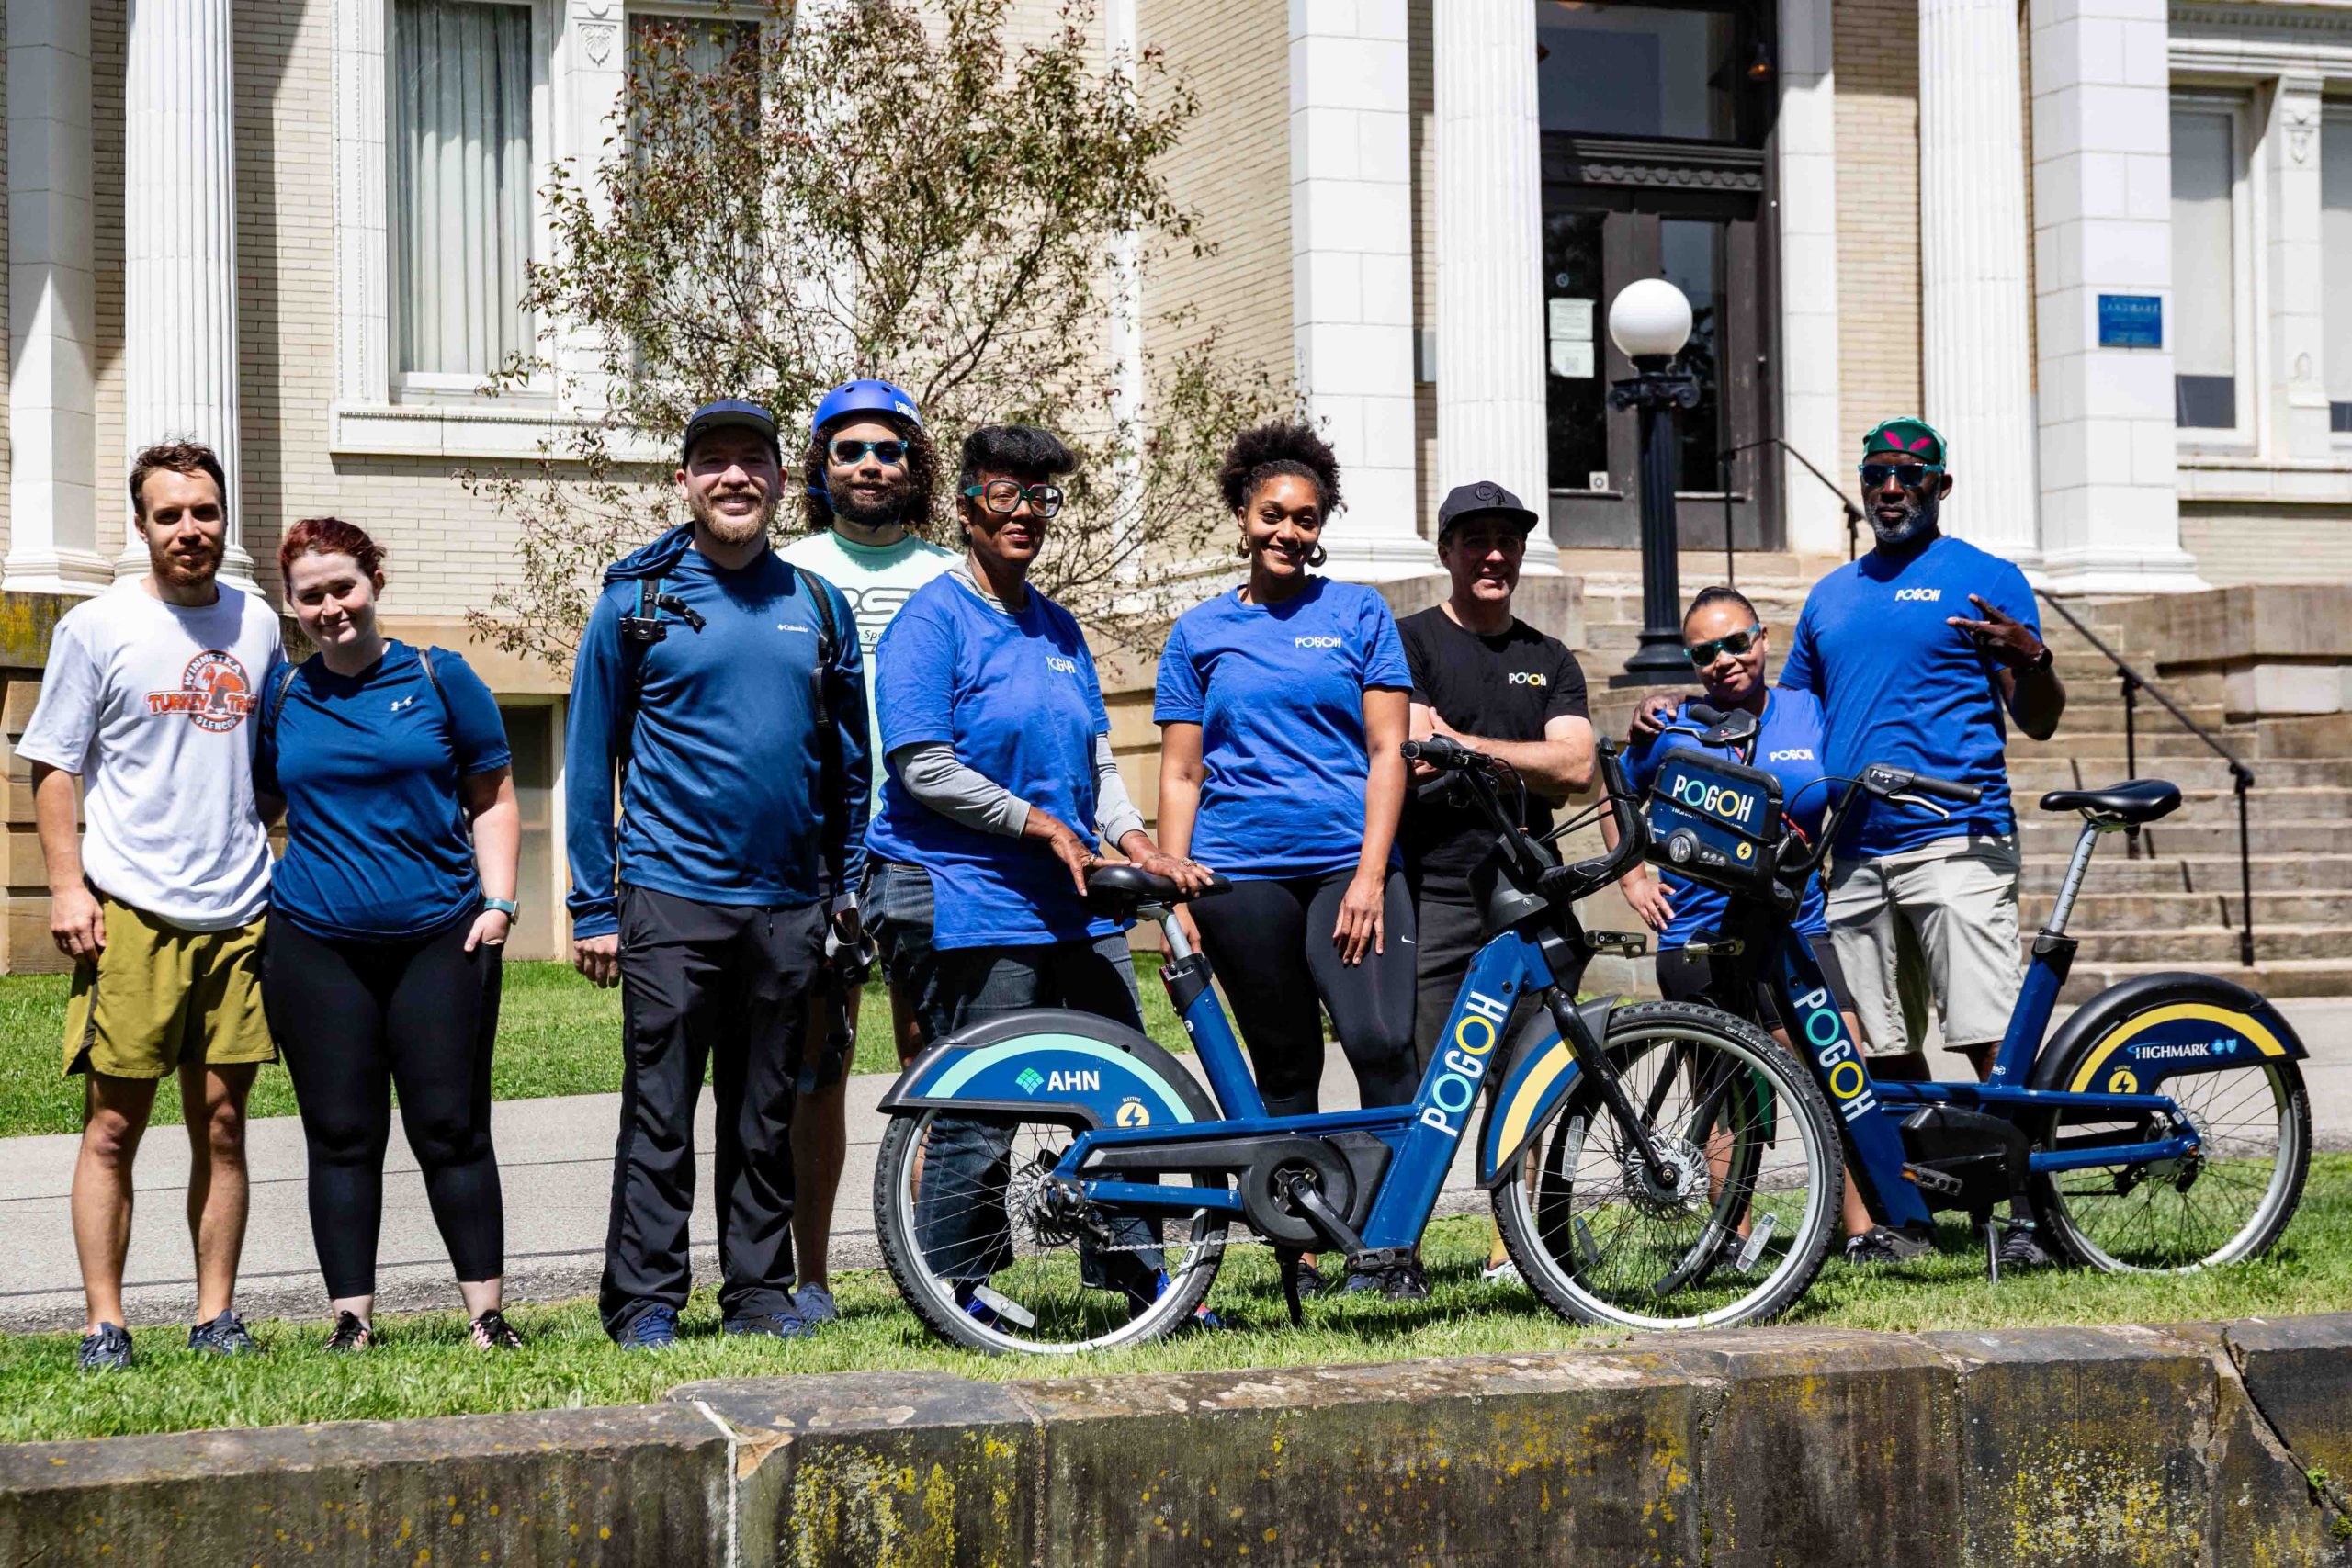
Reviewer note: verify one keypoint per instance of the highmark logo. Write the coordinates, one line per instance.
(1030, 1079)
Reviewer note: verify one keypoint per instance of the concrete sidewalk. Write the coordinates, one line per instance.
(556, 1157)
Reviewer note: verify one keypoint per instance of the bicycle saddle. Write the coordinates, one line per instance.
(1118, 889)
(2135, 800)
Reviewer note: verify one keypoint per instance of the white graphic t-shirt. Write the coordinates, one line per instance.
(153, 705)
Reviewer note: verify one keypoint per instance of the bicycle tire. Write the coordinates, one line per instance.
(934, 1298)
(1785, 1099)
(2091, 1233)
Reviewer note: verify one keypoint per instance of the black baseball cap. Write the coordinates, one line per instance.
(1483, 498)
(729, 413)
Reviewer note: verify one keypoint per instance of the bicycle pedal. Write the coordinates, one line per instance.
(1625, 945)
(1716, 947)
(1933, 1181)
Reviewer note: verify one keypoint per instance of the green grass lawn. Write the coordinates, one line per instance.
(423, 1367)
(557, 1034)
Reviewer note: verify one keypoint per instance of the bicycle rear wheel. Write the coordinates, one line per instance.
(2225, 1203)
(1740, 1231)
(992, 1253)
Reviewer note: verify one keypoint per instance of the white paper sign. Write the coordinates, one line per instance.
(1572, 361)
(1568, 320)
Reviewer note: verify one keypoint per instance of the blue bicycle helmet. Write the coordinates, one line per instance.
(865, 397)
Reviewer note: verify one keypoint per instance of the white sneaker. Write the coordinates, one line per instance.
(1503, 1273)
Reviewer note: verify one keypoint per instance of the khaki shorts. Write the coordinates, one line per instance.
(1940, 920)
(158, 996)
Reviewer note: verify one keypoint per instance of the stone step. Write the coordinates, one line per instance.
(2206, 946)
(2308, 803)
(2112, 911)
(2031, 776)
(2112, 873)
(2048, 836)
(2270, 977)
(2105, 746)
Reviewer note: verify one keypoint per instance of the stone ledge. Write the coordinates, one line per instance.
(2193, 1443)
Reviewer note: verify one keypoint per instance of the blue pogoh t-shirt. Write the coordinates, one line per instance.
(1900, 685)
(1788, 747)
(1016, 696)
(378, 846)
(1278, 693)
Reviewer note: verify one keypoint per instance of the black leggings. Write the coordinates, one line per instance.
(356, 1018)
(1270, 942)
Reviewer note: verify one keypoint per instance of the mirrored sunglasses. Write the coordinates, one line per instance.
(889, 452)
(1736, 643)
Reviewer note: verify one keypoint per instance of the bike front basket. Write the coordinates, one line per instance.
(1715, 823)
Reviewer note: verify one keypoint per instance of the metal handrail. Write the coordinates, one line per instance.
(2241, 776)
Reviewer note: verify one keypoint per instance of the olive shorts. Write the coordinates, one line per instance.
(1939, 921)
(159, 996)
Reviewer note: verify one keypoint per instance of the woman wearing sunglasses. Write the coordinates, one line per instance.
(1001, 777)
(1728, 643)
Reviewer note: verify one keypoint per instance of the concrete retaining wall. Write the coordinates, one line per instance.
(2193, 1444)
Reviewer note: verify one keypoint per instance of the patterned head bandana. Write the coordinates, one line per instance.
(1913, 439)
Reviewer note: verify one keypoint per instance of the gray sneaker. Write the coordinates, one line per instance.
(2022, 1249)
(224, 1335)
(1883, 1244)
(817, 1304)
(106, 1350)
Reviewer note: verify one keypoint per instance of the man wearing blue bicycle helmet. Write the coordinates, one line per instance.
(868, 478)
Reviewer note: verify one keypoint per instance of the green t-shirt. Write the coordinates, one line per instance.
(876, 581)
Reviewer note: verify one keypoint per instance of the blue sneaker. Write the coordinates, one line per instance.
(784, 1325)
(817, 1304)
(655, 1328)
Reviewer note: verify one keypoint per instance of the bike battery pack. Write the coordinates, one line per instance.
(1715, 823)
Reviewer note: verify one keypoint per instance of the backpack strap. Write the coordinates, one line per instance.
(638, 632)
(284, 685)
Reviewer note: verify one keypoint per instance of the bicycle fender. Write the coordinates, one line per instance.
(1055, 1064)
(2133, 1036)
(1532, 1092)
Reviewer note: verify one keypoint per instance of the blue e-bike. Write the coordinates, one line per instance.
(1054, 1181)
(2164, 1127)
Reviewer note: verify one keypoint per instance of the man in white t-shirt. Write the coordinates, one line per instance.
(869, 471)
(159, 900)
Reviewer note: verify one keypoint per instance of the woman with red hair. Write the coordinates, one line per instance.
(388, 913)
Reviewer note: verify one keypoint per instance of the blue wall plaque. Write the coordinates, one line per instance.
(2131, 321)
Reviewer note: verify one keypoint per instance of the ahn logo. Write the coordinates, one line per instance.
(1795, 754)
(1030, 1080)
(1918, 595)
(1526, 678)
(1059, 1081)
(1060, 666)
(1315, 642)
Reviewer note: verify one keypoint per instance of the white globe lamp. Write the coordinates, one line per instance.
(1650, 319)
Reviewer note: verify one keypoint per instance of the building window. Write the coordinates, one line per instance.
(459, 175)
(1631, 70)
(2336, 260)
(2211, 343)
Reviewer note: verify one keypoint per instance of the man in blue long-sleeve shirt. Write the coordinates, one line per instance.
(723, 688)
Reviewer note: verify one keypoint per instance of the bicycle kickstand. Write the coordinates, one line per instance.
(1289, 1261)
(1992, 1250)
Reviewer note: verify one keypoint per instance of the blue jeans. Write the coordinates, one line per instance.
(961, 1220)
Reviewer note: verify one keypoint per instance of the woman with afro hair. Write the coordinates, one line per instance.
(1281, 705)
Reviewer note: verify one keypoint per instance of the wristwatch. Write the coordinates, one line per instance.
(504, 906)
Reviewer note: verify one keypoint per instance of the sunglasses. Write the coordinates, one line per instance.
(1004, 497)
(1910, 476)
(889, 452)
(1704, 653)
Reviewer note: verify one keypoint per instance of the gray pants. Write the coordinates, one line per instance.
(1940, 921)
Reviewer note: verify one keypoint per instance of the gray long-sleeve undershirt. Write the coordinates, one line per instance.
(965, 795)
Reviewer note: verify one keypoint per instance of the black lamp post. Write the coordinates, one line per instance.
(1649, 322)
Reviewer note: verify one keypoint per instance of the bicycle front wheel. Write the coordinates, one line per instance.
(1736, 1225)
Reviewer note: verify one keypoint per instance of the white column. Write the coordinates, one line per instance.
(1490, 373)
(52, 493)
(2291, 267)
(1120, 44)
(1351, 272)
(1810, 414)
(2102, 203)
(1972, 268)
(179, 286)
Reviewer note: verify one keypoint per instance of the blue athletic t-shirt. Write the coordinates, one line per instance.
(1278, 693)
(1017, 697)
(1788, 747)
(1898, 685)
(376, 844)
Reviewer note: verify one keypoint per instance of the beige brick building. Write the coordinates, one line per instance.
(1421, 208)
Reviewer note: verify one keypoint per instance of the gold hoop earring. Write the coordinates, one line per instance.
(1241, 550)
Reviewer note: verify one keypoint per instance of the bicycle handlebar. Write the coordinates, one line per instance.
(1886, 782)
(1563, 883)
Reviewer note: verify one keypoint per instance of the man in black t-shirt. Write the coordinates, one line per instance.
(1487, 680)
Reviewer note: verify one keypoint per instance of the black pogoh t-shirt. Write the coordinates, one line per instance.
(1505, 687)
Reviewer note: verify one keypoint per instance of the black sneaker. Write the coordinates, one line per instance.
(224, 1335)
(1883, 1244)
(1405, 1282)
(2022, 1248)
(350, 1333)
(493, 1332)
(105, 1349)
(767, 1325)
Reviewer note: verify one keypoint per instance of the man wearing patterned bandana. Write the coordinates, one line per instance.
(1921, 652)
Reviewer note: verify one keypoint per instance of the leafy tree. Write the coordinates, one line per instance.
(880, 188)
